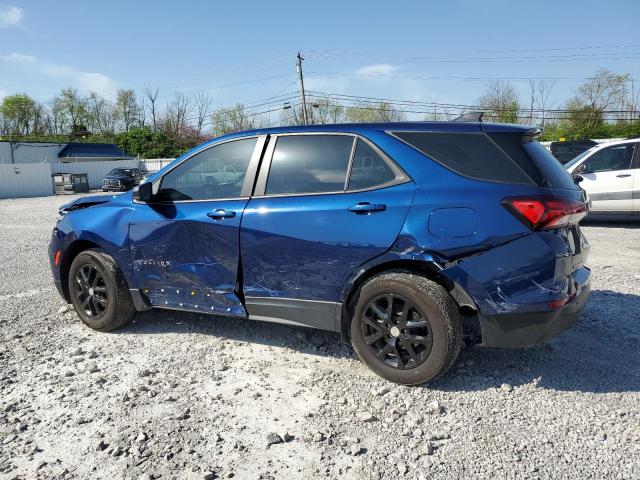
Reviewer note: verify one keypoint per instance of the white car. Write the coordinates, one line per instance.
(611, 176)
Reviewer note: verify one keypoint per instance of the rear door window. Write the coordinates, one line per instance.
(309, 164)
(473, 155)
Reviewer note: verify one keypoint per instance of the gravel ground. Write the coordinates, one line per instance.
(187, 396)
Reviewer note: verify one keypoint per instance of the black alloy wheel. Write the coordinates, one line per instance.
(98, 291)
(91, 291)
(405, 327)
(397, 331)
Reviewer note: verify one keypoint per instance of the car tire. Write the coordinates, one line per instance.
(99, 292)
(427, 339)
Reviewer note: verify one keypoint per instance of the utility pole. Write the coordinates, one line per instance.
(304, 99)
(13, 160)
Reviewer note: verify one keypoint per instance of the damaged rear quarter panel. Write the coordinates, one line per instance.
(521, 275)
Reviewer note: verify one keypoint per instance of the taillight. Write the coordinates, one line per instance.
(543, 213)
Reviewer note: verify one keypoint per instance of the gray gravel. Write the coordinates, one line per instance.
(188, 396)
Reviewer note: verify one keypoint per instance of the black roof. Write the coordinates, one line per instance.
(97, 150)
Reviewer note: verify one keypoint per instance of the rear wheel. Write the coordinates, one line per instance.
(99, 292)
(406, 328)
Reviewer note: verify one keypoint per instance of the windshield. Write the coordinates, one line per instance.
(121, 172)
(572, 162)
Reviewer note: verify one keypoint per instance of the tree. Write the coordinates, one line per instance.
(319, 112)
(583, 120)
(101, 114)
(586, 115)
(174, 120)
(500, 102)
(73, 109)
(148, 144)
(605, 90)
(203, 103)
(150, 98)
(365, 112)
(127, 108)
(540, 93)
(232, 119)
(20, 114)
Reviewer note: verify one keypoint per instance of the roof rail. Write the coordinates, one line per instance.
(469, 117)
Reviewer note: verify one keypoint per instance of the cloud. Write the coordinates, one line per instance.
(17, 58)
(64, 74)
(378, 69)
(327, 84)
(10, 16)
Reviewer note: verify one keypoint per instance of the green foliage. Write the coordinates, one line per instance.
(569, 131)
(148, 144)
(232, 119)
(372, 113)
(17, 112)
(500, 102)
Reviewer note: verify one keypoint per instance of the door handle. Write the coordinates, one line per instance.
(623, 175)
(221, 213)
(366, 207)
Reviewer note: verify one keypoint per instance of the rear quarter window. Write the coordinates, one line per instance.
(473, 155)
(553, 172)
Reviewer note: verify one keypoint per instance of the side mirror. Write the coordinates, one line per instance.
(584, 168)
(577, 178)
(144, 193)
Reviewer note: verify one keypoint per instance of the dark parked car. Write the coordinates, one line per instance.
(121, 179)
(566, 151)
(403, 237)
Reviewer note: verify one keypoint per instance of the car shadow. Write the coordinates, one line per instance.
(305, 340)
(600, 354)
(612, 221)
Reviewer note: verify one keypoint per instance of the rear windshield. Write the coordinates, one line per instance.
(562, 147)
(473, 155)
(123, 172)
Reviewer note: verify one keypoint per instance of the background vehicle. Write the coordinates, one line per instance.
(400, 236)
(121, 179)
(611, 176)
(567, 150)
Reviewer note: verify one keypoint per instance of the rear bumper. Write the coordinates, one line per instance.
(529, 329)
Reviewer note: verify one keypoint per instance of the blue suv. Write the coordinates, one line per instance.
(403, 237)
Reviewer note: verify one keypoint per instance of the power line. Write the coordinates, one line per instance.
(442, 77)
(509, 50)
(353, 101)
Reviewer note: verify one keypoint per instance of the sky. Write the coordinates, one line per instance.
(244, 51)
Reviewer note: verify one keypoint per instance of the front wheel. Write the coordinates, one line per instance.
(99, 291)
(406, 328)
